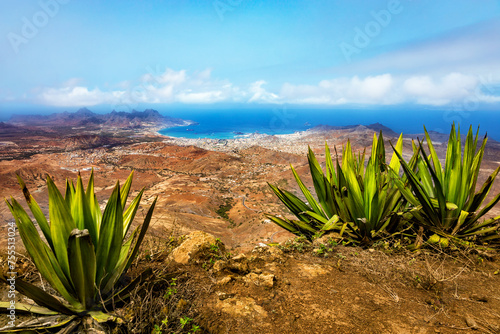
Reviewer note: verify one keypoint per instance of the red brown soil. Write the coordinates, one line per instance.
(343, 290)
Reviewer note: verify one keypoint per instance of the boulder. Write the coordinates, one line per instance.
(195, 244)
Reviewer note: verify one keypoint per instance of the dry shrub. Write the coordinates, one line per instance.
(168, 296)
(161, 303)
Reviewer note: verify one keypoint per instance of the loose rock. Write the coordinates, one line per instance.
(265, 280)
(241, 307)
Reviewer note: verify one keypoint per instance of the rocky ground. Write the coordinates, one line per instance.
(298, 287)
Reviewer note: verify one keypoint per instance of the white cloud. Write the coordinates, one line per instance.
(387, 89)
(204, 97)
(259, 94)
(199, 88)
(452, 87)
(459, 66)
(78, 96)
(166, 87)
(368, 90)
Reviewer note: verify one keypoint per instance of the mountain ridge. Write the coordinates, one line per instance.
(87, 118)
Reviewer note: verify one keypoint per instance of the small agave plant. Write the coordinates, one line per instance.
(85, 253)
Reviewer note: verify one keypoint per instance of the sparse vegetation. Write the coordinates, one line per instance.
(153, 309)
(214, 253)
(299, 244)
(224, 208)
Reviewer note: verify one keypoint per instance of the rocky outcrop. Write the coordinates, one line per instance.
(192, 247)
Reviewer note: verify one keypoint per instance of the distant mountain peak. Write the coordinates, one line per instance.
(84, 112)
(385, 130)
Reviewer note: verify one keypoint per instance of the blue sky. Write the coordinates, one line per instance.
(360, 54)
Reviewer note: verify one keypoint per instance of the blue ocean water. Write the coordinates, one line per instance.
(227, 124)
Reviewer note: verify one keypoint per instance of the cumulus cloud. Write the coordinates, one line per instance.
(452, 87)
(459, 66)
(368, 90)
(172, 86)
(78, 96)
(168, 86)
(259, 93)
(387, 89)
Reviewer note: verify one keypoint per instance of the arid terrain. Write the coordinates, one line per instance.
(220, 187)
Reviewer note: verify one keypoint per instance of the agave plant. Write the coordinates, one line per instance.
(445, 200)
(86, 252)
(363, 201)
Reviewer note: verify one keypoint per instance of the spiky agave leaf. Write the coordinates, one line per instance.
(111, 238)
(46, 324)
(307, 194)
(82, 212)
(292, 202)
(380, 197)
(26, 308)
(82, 266)
(94, 207)
(42, 256)
(129, 214)
(41, 297)
(321, 185)
(36, 211)
(129, 250)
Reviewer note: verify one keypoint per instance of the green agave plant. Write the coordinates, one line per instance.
(362, 201)
(444, 199)
(85, 254)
